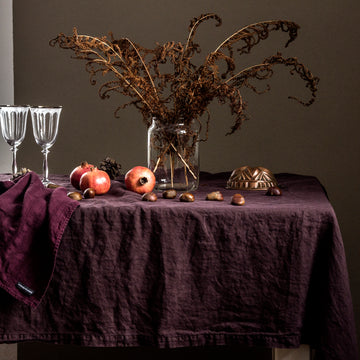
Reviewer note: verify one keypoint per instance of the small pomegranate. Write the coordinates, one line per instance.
(97, 179)
(140, 179)
(78, 172)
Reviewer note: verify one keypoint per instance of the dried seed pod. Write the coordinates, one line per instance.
(215, 195)
(74, 195)
(237, 199)
(187, 197)
(89, 193)
(149, 196)
(273, 191)
(169, 194)
(110, 166)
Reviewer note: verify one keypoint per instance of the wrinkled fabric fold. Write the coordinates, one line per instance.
(32, 222)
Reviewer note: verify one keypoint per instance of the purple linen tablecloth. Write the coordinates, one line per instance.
(171, 274)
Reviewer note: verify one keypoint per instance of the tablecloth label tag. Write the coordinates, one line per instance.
(24, 289)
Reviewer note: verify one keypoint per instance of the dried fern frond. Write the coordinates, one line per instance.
(265, 71)
(195, 23)
(251, 35)
(300, 69)
(121, 58)
(186, 90)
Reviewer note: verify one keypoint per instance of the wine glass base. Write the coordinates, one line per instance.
(45, 182)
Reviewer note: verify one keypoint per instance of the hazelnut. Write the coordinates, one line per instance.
(237, 199)
(52, 186)
(89, 193)
(187, 197)
(169, 194)
(74, 195)
(215, 195)
(273, 191)
(149, 196)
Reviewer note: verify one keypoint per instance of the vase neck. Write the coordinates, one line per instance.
(171, 121)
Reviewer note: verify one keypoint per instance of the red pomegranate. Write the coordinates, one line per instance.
(140, 179)
(78, 172)
(97, 179)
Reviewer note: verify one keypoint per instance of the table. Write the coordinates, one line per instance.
(170, 274)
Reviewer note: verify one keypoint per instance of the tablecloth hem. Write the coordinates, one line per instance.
(161, 341)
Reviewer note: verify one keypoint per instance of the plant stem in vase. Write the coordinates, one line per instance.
(173, 155)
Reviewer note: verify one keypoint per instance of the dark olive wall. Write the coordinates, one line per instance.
(322, 140)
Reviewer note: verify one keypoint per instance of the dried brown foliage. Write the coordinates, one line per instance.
(185, 92)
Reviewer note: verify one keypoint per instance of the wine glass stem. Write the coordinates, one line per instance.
(14, 164)
(45, 166)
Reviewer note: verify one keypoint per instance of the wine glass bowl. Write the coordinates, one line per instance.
(13, 120)
(45, 124)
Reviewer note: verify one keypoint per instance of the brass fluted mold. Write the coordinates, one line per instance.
(251, 178)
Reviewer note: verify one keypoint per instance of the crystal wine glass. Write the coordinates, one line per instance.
(45, 123)
(13, 127)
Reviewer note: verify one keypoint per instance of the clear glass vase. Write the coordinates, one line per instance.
(173, 154)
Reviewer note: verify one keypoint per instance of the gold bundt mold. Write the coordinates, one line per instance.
(251, 178)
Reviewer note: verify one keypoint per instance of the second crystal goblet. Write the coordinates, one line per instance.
(45, 123)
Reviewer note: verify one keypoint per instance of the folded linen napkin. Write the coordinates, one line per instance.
(32, 221)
